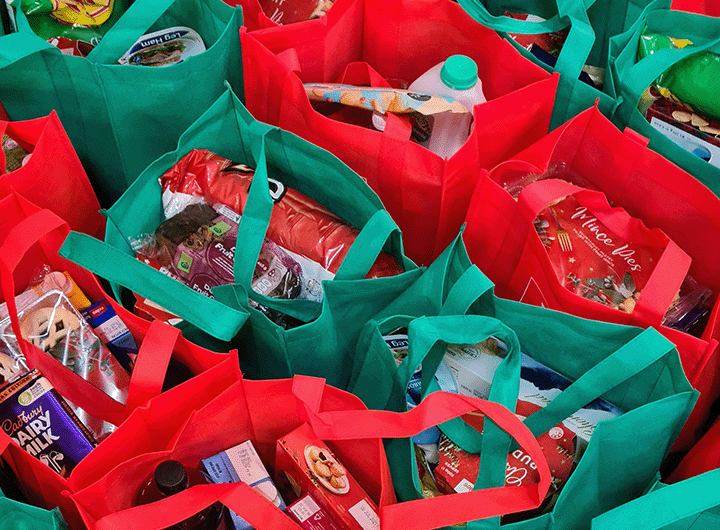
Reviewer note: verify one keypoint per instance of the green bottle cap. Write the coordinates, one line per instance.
(459, 72)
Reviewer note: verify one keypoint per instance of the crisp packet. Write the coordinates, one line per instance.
(72, 12)
(382, 100)
(692, 80)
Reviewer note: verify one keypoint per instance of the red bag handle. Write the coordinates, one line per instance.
(238, 497)
(153, 356)
(435, 409)
(5, 441)
(669, 272)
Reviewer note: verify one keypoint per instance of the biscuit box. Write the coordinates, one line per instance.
(241, 463)
(310, 467)
(695, 133)
(306, 512)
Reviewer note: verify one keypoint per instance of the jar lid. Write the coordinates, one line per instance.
(171, 477)
(459, 72)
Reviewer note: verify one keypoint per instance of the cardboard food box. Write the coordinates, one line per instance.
(468, 370)
(694, 133)
(306, 512)
(241, 463)
(457, 470)
(310, 467)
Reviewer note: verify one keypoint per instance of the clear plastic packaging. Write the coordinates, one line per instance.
(455, 77)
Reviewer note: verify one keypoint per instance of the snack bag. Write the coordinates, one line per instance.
(298, 224)
(692, 80)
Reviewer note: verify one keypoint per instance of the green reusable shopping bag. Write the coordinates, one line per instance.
(16, 515)
(628, 79)
(637, 370)
(122, 117)
(266, 350)
(693, 504)
(591, 23)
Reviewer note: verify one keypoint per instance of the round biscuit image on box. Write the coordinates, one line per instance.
(327, 469)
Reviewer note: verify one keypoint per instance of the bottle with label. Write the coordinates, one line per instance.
(172, 477)
(456, 77)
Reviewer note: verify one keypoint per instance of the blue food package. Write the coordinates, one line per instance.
(113, 332)
(241, 463)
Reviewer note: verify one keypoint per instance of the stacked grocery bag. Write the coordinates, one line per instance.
(359, 264)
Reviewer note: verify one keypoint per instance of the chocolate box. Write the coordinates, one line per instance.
(39, 420)
(310, 467)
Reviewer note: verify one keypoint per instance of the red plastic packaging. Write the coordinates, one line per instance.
(298, 223)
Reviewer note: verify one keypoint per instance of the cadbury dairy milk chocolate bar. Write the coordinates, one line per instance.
(39, 420)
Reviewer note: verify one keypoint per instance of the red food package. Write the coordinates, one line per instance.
(592, 260)
(306, 463)
(458, 469)
(298, 223)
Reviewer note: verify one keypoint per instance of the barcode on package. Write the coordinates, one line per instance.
(305, 509)
(365, 516)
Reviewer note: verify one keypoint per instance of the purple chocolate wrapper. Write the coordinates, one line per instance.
(39, 420)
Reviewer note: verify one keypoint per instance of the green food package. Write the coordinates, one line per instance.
(692, 80)
(49, 22)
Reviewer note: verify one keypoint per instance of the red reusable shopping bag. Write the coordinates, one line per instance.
(265, 411)
(502, 240)
(704, 456)
(33, 237)
(53, 176)
(384, 43)
(702, 7)
(270, 13)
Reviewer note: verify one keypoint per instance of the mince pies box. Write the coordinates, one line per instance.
(310, 467)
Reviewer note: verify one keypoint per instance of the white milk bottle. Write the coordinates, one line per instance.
(456, 77)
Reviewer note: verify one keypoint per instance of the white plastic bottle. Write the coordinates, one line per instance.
(456, 77)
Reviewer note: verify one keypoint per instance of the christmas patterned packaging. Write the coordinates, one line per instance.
(592, 260)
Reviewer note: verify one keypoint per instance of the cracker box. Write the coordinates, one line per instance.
(697, 134)
(310, 467)
(242, 464)
(310, 516)
(468, 370)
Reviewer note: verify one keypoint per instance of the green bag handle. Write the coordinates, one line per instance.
(132, 25)
(642, 74)
(572, 13)
(630, 359)
(211, 316)
(17, 46)
(252, 230)
(428, 338)
(470, 287)
(665, 506)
